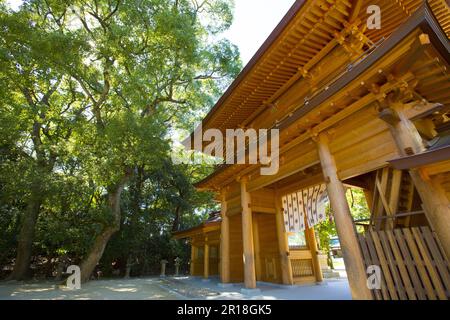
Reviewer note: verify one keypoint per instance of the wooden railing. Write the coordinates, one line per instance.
(375, 222)
(302, 266)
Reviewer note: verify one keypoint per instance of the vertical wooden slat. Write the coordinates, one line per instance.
(382, 205)
(409, 194)
(418, 288)
(394, 197)
(392, 266)
(384, 266)
(401, 266)
(438, 258)
(257, 247)
(412, 265)
(419, 264)
(429, 264)
(368, 262)
(441, 248)
(365, 251)
(376, 261)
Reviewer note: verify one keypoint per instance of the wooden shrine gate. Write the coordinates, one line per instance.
(412, 264)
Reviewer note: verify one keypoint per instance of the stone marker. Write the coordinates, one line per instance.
(163, 267)
(177, 266)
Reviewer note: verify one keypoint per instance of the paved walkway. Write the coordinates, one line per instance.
(333, 289)
(171, 288)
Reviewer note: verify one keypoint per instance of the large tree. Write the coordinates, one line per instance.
(97, 87)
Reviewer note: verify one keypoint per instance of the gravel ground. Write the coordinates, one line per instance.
(130, 289)
(170, 288)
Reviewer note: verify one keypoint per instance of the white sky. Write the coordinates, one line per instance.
(14, 3)
(253, 22)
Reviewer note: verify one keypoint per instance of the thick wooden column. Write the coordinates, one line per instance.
(283, 245)
(353, 259)
(206, 259)
(311, 238)
(435, 202)
(193, 253)
(247, 238)
(224, 242)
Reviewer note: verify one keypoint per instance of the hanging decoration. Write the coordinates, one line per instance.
(310, 203)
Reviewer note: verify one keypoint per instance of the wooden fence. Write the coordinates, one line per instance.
(302, 266)
(413, 266)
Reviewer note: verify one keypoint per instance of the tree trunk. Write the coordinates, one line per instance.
(44, 166)
(176, 221)
(128, 267)
(330, 259)
(100, 242)
(26, 236)
(96, 252)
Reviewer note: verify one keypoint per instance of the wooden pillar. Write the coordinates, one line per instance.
(224, 242)
(206, 259)
(368, 194)
(353, 259)
(381, 185)
(435, 202)
(394, 198)
(283, 244)
(193, 254)
(257, 247)
(311, 238)
(247, 238)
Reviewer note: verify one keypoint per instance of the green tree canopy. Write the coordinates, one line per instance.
(91, 92)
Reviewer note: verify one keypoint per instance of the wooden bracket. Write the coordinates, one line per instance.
(421, 109)
(389, 116)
